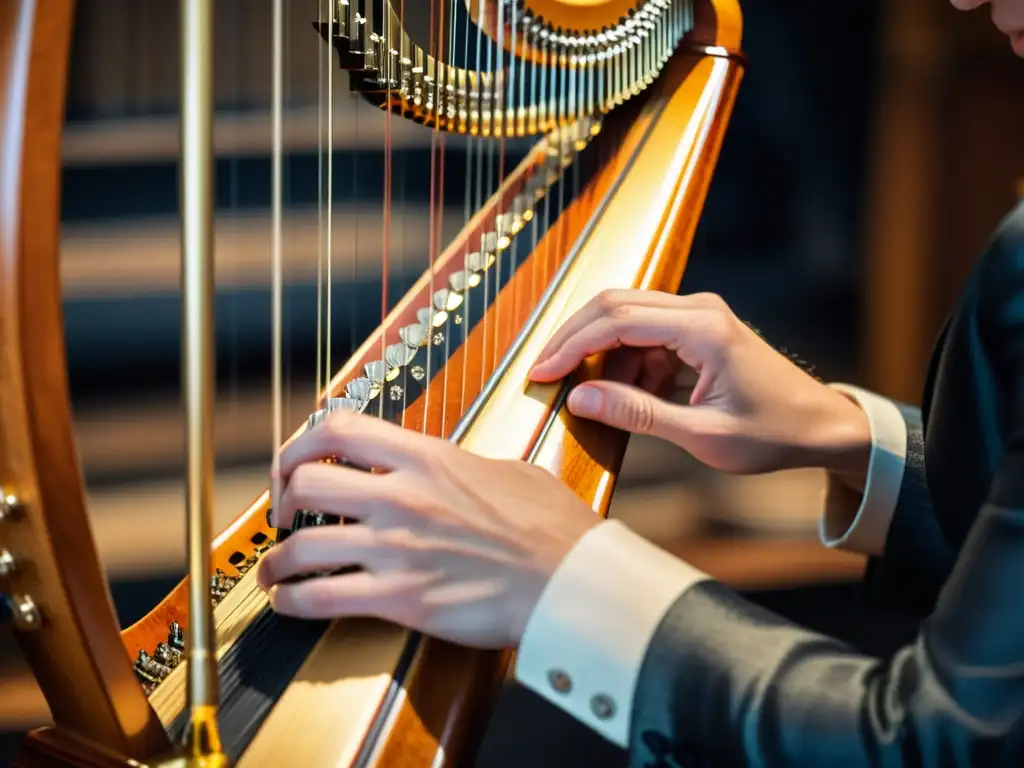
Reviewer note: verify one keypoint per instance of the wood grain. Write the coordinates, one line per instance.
(585, 455)
(75, 651)
(449, 691)
(152, 628)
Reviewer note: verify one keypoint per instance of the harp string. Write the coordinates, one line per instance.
(515, 92)
(467, 192)
(481, 159)
(329, 267)
(496, 72)
(277, 277)
(389, 63)
(320, 365)
(508, 107)
(435, 46)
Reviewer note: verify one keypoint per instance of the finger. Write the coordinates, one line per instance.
(687, 332)
(623, 364)
(658, 371)
(600, 306)
(634, 410)
(652, 369)
(312, 550)
(610, 301)
(332, 489)
(364, 440)
(328, 597)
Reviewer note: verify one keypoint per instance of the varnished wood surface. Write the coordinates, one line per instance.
(52, 747)
(238, 537)
(582, 15)
(757, 562)
(433, 719)
(75, 652)
(587, 457)
(447, 715)
(448, 692)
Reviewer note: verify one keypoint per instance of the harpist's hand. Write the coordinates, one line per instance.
(451, 544)
(751, 410)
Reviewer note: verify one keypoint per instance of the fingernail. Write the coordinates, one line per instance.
(585, 401)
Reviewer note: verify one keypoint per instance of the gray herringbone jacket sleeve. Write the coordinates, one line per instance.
(725, 682)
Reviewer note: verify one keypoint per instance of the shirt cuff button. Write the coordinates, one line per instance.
(559, 681)
(602, 706)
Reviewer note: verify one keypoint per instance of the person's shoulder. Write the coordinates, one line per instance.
(1002, 263)
(996, 292)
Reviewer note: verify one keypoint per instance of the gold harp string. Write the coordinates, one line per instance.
(329, 314)
(431, 244)
(508, 117)
(320, 229)
(541, 217)
(467, 213)
(277, 277)
(437, 142)
(352, 103)
(486, 148)
(497, 103)
(479, 199)
(389, 73)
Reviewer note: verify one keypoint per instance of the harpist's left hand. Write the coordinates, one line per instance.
(451, 544)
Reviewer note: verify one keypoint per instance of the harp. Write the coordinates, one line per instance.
(627, 102)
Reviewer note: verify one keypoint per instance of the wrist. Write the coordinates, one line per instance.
(548, 556)
(841, 441)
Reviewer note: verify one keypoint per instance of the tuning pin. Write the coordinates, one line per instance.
(399, 355)
(459, 281)
(361, 389)
(176, 636)
(376, 371)
(167, 655)
(414, 335)
(142, 671)
(150, 669)
(346, 404)
(478, 263)
(489, 242)
(431, 318)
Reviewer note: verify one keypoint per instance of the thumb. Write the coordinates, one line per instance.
(629, 408)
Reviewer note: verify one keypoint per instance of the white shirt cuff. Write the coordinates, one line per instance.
(858, 521)
(587, 636)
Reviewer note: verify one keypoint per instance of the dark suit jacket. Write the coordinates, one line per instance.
(726, 683)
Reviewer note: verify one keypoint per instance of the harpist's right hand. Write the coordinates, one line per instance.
(752, 410)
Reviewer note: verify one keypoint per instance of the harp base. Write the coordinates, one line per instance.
(56, 748)
(182, 761)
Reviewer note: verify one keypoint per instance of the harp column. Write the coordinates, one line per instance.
(197, 275)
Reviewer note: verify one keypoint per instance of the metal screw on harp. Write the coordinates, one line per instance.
(9, 504)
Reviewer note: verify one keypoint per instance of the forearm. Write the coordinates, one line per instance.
(742, 686)
(859, 504)
(723, 680)
(587, 637)
(887, 513)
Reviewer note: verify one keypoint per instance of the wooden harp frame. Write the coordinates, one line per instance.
(58, 593)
